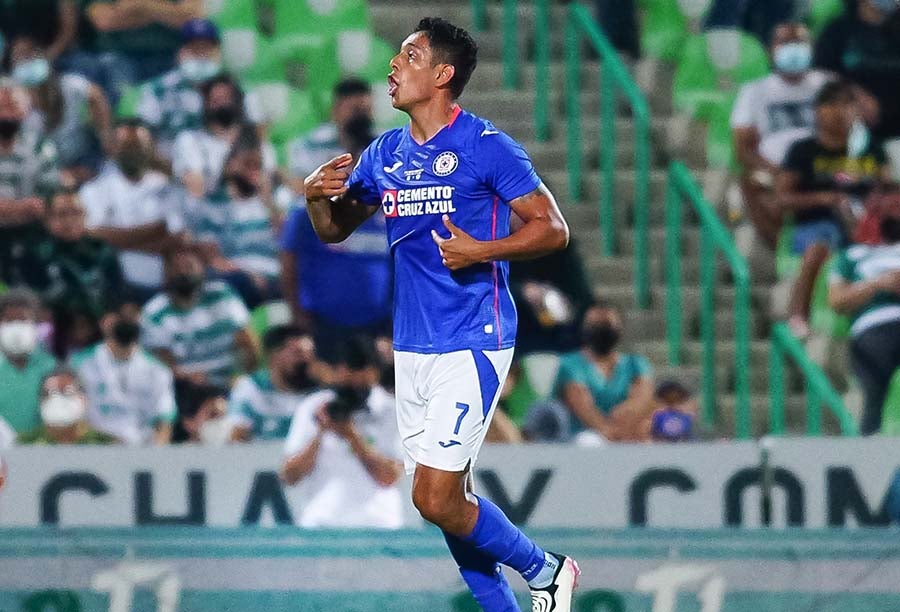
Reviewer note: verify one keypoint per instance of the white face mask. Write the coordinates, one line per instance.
(62, 410)
(200, 70)
(215, 432)
(18, 338)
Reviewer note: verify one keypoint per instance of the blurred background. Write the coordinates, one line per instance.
(706, 391)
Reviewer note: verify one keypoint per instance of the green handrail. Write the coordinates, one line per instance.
(542, 82)
(818, 388)
(713, 236)
(614, 77)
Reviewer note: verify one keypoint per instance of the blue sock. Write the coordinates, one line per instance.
(496, 536)
(483, 577)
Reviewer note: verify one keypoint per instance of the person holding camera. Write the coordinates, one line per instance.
(344, 448)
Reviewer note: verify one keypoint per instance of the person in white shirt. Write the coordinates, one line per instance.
(770, 114)
(344, 449)
(126, 206)
(198, 157)
(130, 393)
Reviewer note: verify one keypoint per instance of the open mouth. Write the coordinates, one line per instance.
(392, 86)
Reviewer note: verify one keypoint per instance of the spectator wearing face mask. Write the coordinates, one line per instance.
(23, 364)
(769, 115)
(130, 393)
(172, 103)
(607, 391)
(127, 207)
(863, 46)
(199, 328)
(76, 276)
(824, 182)
(344, 450)
(63, 413)
(349, 131)
(202, 415)
(236, 225)
(262, 404)
(865, 285)
(66, 109)
(198, 156)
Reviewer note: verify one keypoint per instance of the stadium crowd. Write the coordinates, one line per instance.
(162, 282)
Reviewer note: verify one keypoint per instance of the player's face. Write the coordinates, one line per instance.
(414, 75)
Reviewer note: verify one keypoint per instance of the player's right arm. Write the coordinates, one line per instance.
(334, 213)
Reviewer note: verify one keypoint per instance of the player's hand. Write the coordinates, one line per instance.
(329, 179)
(459, 250)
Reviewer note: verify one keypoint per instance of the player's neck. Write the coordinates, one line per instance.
(429, 119)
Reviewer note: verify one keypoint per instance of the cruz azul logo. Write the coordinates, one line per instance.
(419, 201)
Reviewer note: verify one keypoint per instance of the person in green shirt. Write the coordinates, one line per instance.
(77, 276)
(63, 413)
(23, 364)
(607, 391)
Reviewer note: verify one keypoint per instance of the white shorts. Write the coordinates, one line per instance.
(445, 403)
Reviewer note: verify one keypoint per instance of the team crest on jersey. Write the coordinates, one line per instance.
(445, 163)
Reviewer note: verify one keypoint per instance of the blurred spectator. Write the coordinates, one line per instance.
(53, 24)
(23, 364)
(63, 413)
(202, 415)
(674, 415)
(769, 115)
(126, 207)
(262, 404)
(130, 393)
(28, 165)
(547, 421)
(77, 276)
(551, 295)
(133, 40)
(236, 224)
(758, 17)
(7, 439)
(308, 270)
(349, 131)
(198, 328)
(172, 103)
(344, 445)
(823, 184)
(865, 284)
(198, 156)
(619, 20)
(863, 45)
(67, 109)
(502, 428)
(608, 392)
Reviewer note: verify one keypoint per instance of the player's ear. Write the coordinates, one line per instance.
(445, 74)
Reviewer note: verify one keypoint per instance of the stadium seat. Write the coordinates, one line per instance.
(128, 103)
(310, 63)
(822, 318)
(227, 14)
(890, 417)
(786, 263)
(291, 112)
(823, 12)
(319, 16)
(663, 30)
(240, 49)
(719, 144)
(268, 66)
(541, 370)
(266, 316)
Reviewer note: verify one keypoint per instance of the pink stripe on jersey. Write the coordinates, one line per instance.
(496, 280)
(456, 111)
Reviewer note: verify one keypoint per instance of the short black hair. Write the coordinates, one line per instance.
(351, 86)
(61, 370)
(834, 91)
(223, 79)
(191, 396)
(453, 45)
(277, 336)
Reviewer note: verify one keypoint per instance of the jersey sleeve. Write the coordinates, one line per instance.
(742, 115)
(505, 165)
(642, 367)
(165, 411)
(186, 155)
(94, 203)
(361, 184)
(568, 372)
(239, 403)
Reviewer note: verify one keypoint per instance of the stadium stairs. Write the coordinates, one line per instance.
(512, 111)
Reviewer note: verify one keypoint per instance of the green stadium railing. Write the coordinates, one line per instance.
(713, 237)
(614, 78)
(819, 390)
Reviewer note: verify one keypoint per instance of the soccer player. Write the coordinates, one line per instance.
(447, 183)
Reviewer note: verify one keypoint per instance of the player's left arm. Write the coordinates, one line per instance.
(544, 230)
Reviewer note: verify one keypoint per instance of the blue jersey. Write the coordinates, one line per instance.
(470, 171)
